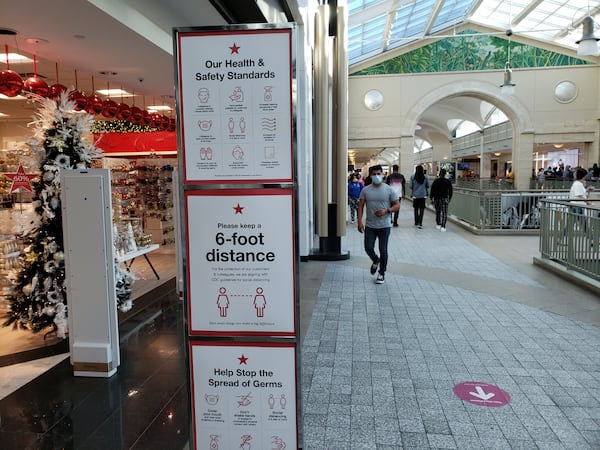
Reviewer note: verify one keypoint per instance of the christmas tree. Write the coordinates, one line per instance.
(61, 140)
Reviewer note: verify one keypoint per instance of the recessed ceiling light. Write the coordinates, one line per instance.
(15, 58)
(8, 31)
(114, 92)
(36, 41)
(159, 108)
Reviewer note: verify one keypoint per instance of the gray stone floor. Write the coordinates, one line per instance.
(379, 362)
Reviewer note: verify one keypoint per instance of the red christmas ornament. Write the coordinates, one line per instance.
(109, 108)
(80, 100)
(11, 83)
(164, 122)
(136, 115)
(36, 86)
(56, 90)
(172, 125)
(94, 105)
(124, 111)
(156, 119)
(146, 118)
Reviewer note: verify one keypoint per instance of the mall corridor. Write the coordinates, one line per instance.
(380, 363)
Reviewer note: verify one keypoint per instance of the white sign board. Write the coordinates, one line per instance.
(240, 262)
(244, 395)
(236, 105)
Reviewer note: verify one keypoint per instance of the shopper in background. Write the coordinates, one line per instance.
(578, 191)
(441, 194)
(398, 183)
(578, 195)
(419, 185)
(595, 171)
(354, 189)
(380, 201)
(541, 178)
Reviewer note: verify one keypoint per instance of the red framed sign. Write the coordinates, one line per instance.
(244, 395)
(235, 105)
(241, 262)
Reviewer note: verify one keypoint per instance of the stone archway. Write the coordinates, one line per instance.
(517, 113)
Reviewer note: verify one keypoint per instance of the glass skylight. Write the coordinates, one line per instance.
(377, 26)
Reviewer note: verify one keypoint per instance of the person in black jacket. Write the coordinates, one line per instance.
(440, 195)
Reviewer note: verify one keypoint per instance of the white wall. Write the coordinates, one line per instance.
(535, 114)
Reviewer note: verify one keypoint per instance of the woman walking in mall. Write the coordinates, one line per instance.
(419, 185)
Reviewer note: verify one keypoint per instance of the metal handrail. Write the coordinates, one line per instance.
(570, 235)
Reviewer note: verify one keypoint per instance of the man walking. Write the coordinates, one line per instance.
(441, 194)
(380, 201)
(398, 183)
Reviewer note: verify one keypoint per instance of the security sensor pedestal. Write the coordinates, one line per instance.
(90, 272)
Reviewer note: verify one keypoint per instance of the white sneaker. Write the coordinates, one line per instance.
(380, 279)
(438, 226)
(443, 230)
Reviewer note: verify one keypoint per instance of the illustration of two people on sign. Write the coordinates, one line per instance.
(282, 401)
(241, 124)
(260, 302)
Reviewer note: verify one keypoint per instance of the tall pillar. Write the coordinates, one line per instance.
(522, 157)
(406, 155)
(486, 165)
(331, 130)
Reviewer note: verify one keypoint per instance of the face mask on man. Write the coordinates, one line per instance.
(377, 179)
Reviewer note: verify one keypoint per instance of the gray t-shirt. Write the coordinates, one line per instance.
(378, 197)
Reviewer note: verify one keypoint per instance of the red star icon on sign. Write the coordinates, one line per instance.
(234, 49)
(243, 359)
(21, 180)
(238, 209)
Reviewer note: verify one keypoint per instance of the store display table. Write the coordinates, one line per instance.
(128, 258)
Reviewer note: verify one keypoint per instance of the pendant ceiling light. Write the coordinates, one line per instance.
(508, 87)
(588, 44)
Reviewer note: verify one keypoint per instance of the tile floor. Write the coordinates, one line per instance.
(379, 362)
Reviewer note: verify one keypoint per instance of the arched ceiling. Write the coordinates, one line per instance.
(437, 123)
(383, 29)
(97, 38)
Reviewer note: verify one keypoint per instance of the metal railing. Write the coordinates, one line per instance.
(494, 205)
(570, 235)
(500, 210)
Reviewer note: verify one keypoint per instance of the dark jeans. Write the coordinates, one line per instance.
(441, 211)
(395, 217)
(383, 236)
(419, 206)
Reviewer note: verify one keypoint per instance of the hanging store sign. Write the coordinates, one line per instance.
(240, 262)
(235, 102)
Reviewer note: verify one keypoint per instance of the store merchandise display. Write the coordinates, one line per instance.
(9, 261)
(143, 199)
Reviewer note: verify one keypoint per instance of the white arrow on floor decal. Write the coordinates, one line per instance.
(481, 394)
